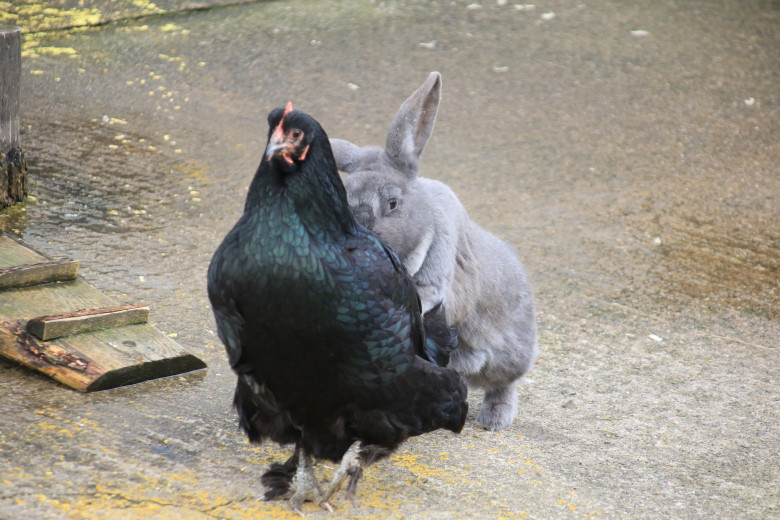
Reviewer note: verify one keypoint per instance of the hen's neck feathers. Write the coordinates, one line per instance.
(313, 186)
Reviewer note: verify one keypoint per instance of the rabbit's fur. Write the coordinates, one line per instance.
(476, 276)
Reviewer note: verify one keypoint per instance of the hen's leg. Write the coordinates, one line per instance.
(352, 467)
(304, 484)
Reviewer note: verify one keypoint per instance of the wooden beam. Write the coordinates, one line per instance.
(88, 320)
(13, 167)
(10, 77)
(59, 270)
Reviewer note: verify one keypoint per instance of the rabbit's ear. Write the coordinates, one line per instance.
(413, 125)
(350, 157)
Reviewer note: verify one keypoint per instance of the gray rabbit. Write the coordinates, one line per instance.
(454, 262)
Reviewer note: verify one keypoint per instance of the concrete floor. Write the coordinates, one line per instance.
(628, 150)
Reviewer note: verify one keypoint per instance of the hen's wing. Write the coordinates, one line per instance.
(377, 305)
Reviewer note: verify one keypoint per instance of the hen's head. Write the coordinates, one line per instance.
(290, 135)
(299, 157)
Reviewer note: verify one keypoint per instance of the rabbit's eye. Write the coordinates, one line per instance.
(392, 204)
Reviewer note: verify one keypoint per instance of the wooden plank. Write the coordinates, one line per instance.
(88, 320)
(57, 298)
(14, 253)
(63, 364)
(98, 360)
(59, 270)
(142, 352)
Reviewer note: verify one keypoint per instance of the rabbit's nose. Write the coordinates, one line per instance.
(364, 215)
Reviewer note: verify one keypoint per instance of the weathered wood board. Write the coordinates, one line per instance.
(11, 255)
(98, 360)
(35, 274)
(88, 320)
(77, 335)
(54, 298)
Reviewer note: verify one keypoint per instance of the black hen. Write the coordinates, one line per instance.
(322, 323)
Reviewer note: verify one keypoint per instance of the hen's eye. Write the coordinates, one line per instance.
(296, 133)
(392, 204)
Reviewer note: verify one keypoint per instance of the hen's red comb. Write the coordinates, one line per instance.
(278, 132)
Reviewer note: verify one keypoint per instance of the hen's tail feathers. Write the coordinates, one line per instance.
(278, 479)
(445, 397)
(440, 339)
(258, 414)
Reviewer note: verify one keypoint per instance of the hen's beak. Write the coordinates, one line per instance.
(277, 144)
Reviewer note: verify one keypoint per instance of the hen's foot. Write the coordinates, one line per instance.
(351, 467)
(305, 487)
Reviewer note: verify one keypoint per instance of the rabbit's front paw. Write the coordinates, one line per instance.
(499, 408)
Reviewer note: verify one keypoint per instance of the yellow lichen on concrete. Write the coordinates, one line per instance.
(166, 496)
(147, 6)
(170, 27)
(372, 495)
(36, 16)
(56, 51)
(420, 470)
